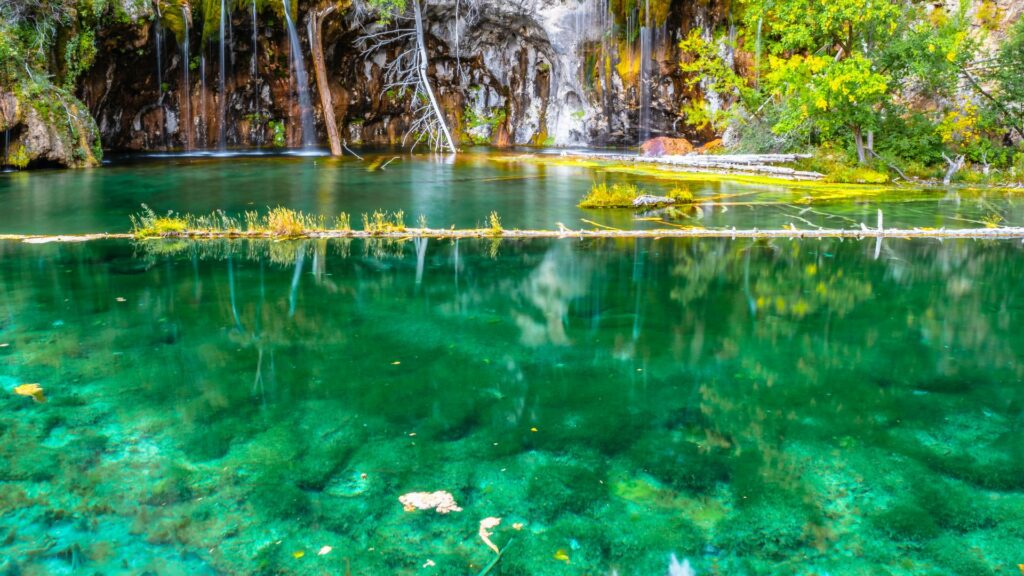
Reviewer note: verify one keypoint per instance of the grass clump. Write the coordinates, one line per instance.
(622, 195)
(148, 223)
(681, 195)
(286, 223)
(343, 222)
(618, 195)
(383, 222)
(856, 175)
(278, 222)
(494, 223)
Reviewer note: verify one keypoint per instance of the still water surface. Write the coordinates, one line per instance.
(777, 407)
(463, 192)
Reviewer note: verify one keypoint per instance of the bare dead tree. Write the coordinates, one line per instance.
(408, 70)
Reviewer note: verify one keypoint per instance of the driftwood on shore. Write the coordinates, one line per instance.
(727, 163)
(562, 232)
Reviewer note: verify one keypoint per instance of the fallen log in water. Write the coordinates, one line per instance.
(562, 232)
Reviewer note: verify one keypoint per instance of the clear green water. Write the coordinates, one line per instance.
(772, 407)
(460, 193)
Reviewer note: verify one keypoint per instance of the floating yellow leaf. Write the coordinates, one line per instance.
(561, 555)
(34, 391)
(298, 554)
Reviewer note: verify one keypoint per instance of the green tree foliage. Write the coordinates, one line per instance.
(835, 95)
(705, 67)
(1009, 79)
(864, 74)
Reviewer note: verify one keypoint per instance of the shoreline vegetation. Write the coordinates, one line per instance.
(795, 170)
(285, 224)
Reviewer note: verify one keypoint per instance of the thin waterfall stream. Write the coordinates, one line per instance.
(204, 124)
(159, 39)
(186, 91)
(644, 123)
(301, 81)
(222, 98)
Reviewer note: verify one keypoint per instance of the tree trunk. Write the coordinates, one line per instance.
(954, 166)
(858, 138)
(316, 21)
(871, 140)
(425, 80)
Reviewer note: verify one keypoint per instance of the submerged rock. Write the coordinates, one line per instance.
(441, 502)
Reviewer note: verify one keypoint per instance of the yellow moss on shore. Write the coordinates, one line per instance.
(817, 188)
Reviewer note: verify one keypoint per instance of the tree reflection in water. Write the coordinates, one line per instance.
(751, 406)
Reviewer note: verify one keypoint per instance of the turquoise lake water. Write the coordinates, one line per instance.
(747, 407)
(526, 194)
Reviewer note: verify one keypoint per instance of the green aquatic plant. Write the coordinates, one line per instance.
(906, 521)
(343, 222)
(567, 487)
(771, 530)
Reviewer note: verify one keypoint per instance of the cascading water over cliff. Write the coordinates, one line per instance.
(301, 81)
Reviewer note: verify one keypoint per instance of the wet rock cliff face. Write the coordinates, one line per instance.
(518, 72)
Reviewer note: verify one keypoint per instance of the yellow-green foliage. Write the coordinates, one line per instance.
(148, 223)
(343, 222)
(856, 175)
(383, 222)
(278, 222)
(618, 195)
(494, 222)
(681, 195)
(18, 157)
(988, 15)
(284, 222)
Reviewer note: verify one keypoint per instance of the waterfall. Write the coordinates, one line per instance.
(159, 37)
(187, 85)
(301, 82)
(222, 105)
(254, 70)
(645, 75)
(202, 99)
